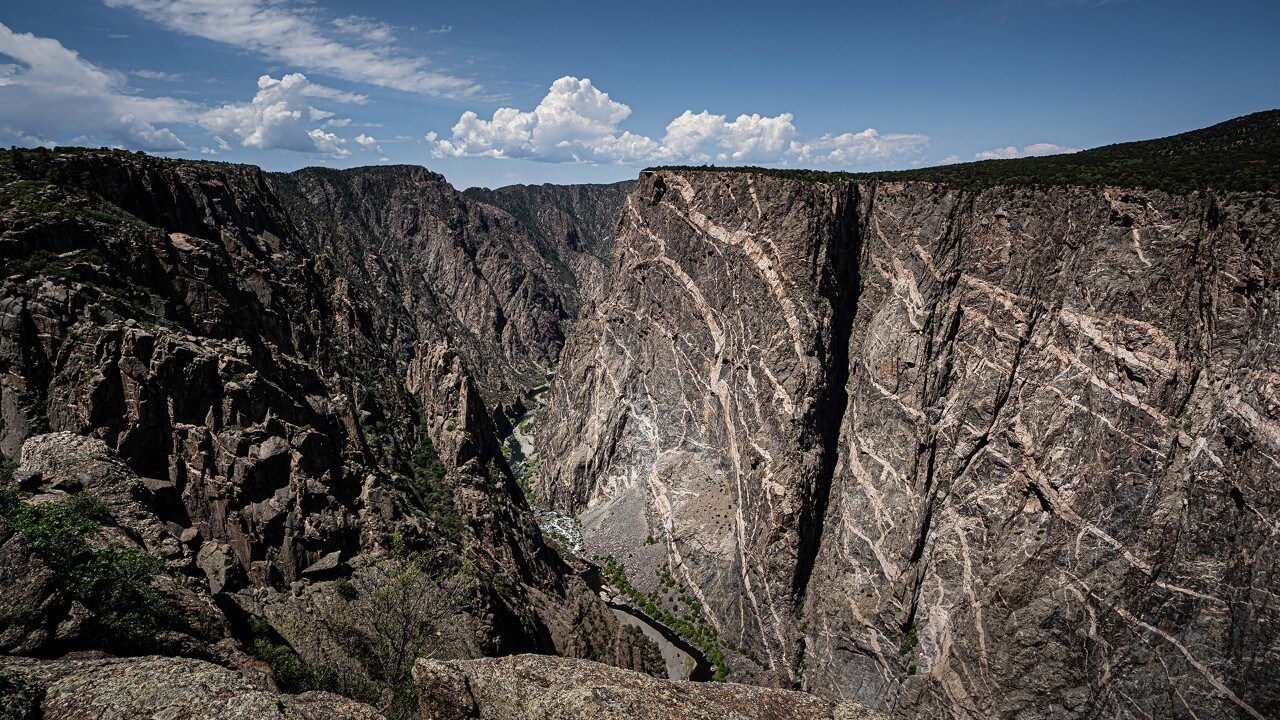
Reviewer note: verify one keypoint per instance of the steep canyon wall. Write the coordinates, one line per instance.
(1004, 452)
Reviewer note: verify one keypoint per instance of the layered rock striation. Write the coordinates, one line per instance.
(984, 440)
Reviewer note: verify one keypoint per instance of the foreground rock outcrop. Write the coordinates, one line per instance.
(40, 613)
(155, 687)
(534, 687)
(961, 453)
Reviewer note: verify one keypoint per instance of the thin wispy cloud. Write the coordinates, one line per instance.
(353, 48)
(157, 75)
(577, 122)
(366, 28)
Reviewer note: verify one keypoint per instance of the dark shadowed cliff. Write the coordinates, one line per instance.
(286, 374)
(573, 226)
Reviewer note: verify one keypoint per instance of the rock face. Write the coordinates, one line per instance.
(573, 227)
(127, 688)
(38, 615)
(1003, 452)
(65, 463)
(946, 449)
(535, 687)
(32, 605)
(462, 269)
(261, 400)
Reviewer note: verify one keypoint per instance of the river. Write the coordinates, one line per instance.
(683, 660)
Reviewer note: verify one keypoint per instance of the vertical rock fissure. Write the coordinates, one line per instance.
(940, 352)
(844, 290)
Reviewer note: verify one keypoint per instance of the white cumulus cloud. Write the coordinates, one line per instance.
(574, 122)
(577, 122)
(280, 117)
(10, 135)
(1034, 150)
(290, 31)
(49, 93)
(861, 148)
(368, 143)
(748, 138)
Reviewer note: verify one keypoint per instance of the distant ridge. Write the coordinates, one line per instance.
(1237, 155)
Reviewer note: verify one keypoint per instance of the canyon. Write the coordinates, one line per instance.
(993, 440)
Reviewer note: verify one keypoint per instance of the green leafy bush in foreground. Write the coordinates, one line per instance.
(112, 582)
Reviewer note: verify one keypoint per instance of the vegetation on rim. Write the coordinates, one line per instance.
(1237, 155)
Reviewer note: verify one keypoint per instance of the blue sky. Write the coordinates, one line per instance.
(501, 92)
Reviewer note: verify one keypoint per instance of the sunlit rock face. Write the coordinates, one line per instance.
(1008, 452)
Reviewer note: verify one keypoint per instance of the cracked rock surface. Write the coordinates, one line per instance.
(535, 687)
(1008, 452)
(157, 687)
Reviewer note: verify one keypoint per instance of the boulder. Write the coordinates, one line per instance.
(158, 687)
(542, 687)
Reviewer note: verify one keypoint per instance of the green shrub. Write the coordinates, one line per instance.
(114, 583)
(428, 483)
(291, 674)
(692, 626)
(909, 643)
(294, 675)
(346, 590)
